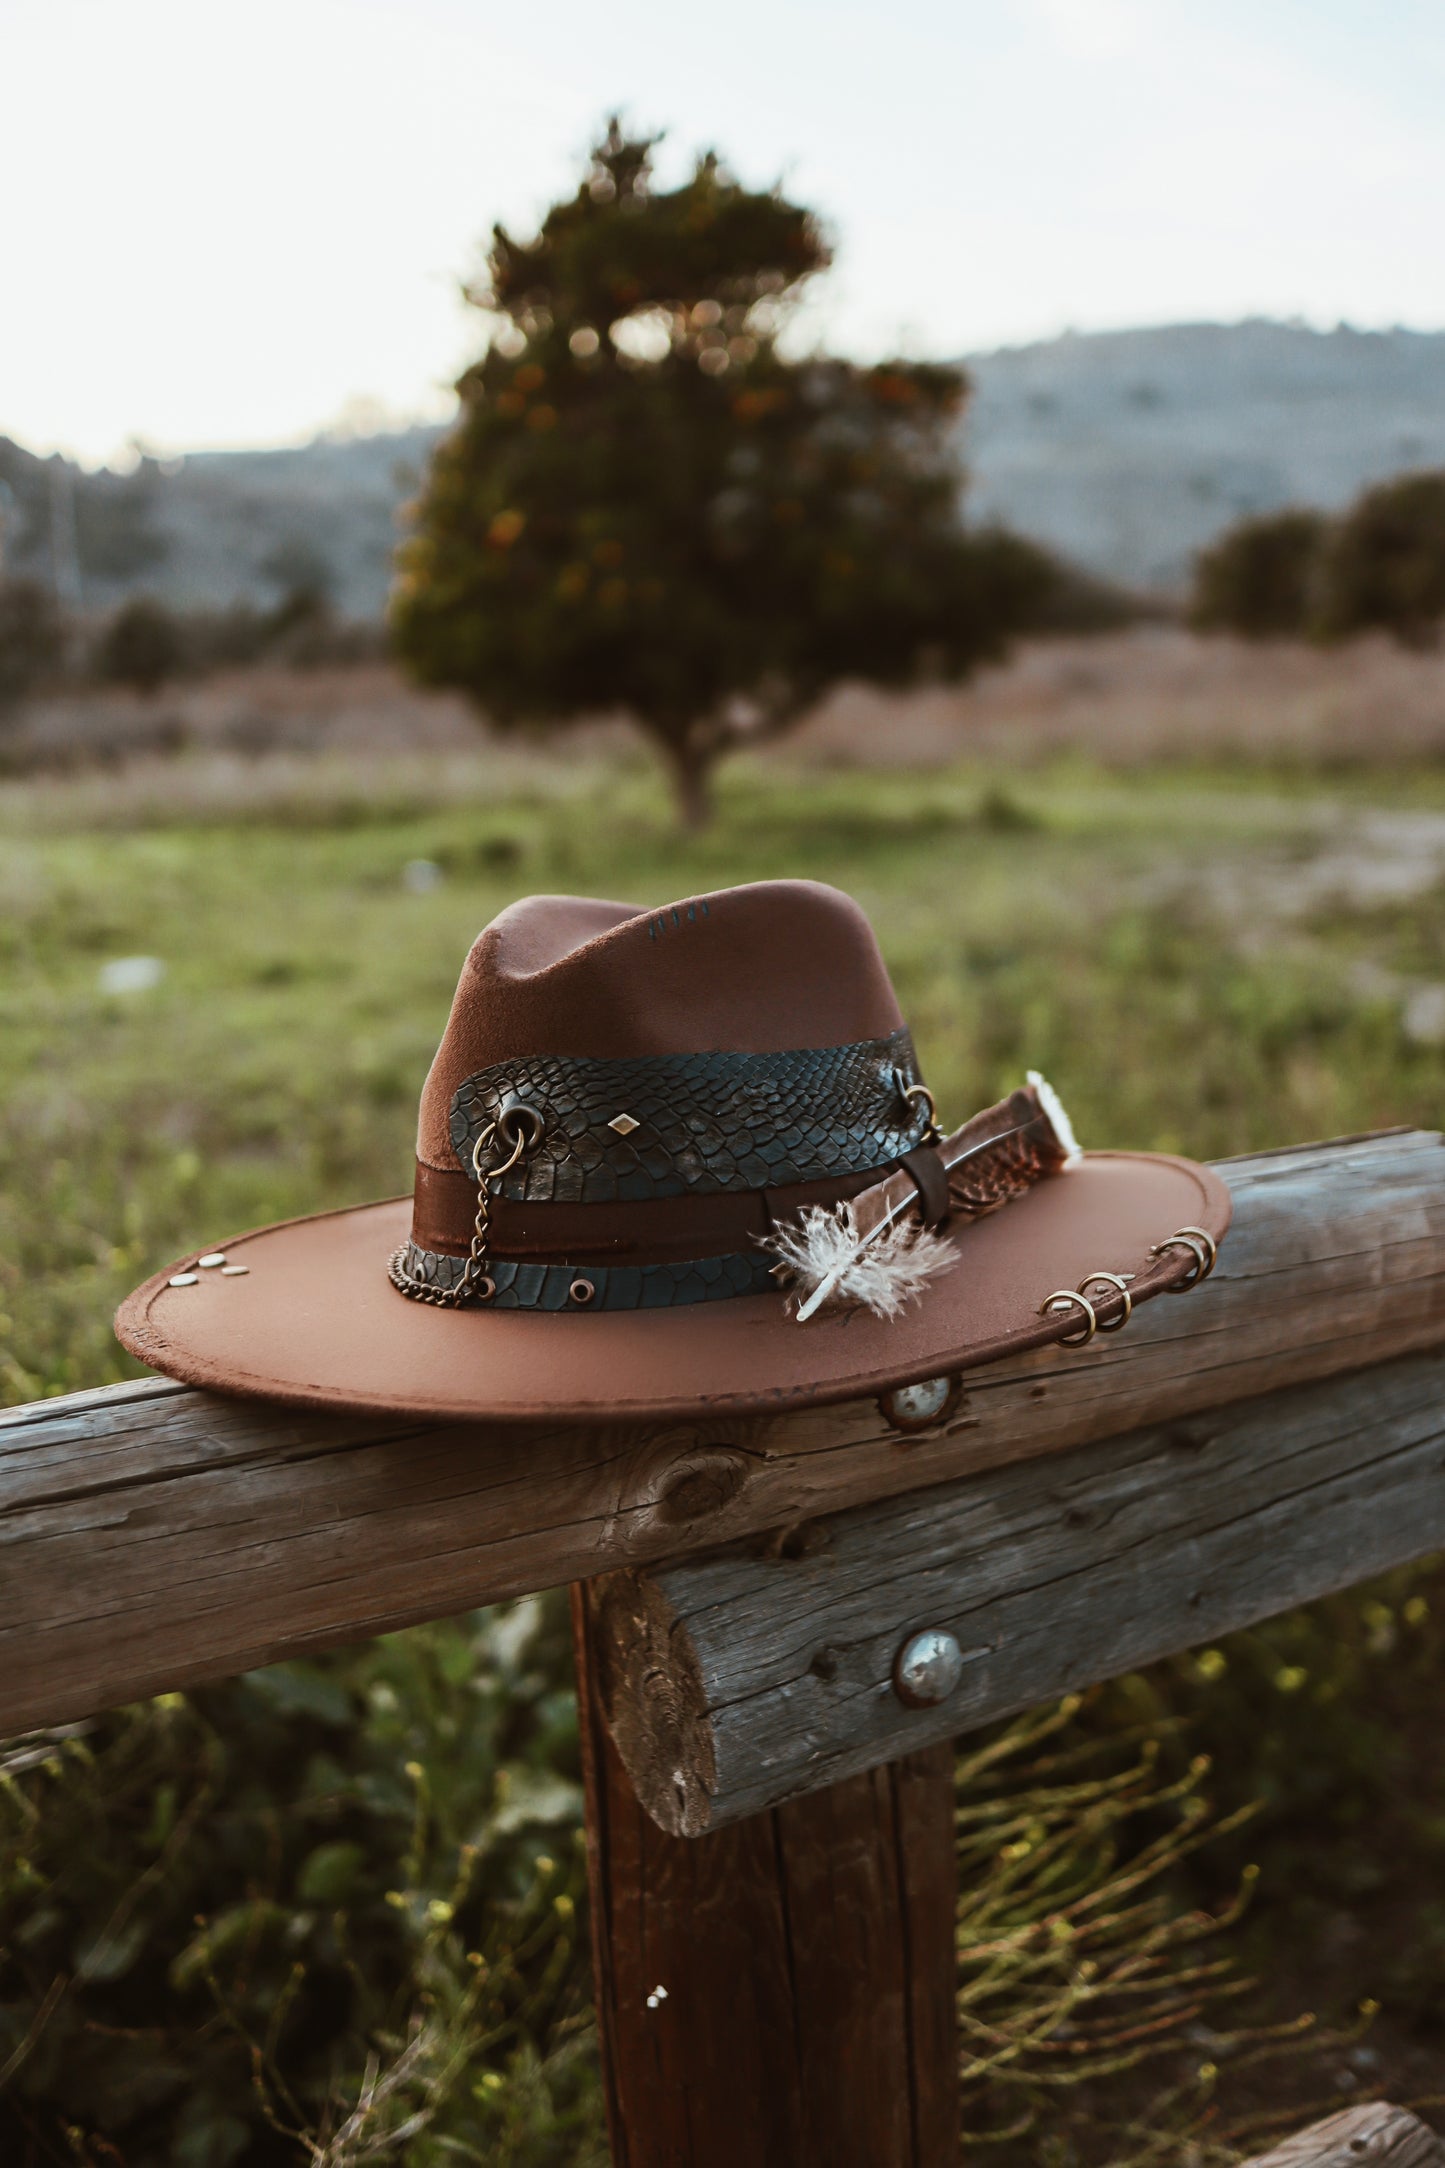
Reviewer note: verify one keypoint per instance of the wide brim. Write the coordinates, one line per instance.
(315, 1322)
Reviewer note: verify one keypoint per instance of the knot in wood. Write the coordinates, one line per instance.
(702, 1484)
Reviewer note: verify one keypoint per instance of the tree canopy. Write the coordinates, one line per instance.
(647, 505)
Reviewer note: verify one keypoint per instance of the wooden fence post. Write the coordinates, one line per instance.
(779, 1994)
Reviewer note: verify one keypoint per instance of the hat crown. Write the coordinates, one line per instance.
(758, 969)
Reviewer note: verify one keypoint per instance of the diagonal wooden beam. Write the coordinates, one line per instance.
(151, 1536)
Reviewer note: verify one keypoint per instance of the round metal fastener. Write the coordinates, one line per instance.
(211, 1259)
(183, 1279)
(927, 1668)
(581, 1291)
(484, 1288)
(519, 1125)
(918, 1407)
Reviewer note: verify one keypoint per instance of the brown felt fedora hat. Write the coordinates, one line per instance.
(684, 1161)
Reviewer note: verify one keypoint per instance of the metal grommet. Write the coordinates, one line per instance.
(581, 1292)
(1058, 1301)
(1119, 1281)
(1210, 1244)
(520, 1126)
(1195, 1246)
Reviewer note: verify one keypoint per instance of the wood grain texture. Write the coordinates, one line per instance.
(1373, 2136)
(750, 1676)
(808, 1967)
(152, 1536)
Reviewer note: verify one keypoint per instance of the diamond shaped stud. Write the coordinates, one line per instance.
(624, 1124)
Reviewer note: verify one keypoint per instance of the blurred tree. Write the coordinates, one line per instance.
(32, 639)
(1385, 563)
(1259, 578)
(142, 646)
(645, 505)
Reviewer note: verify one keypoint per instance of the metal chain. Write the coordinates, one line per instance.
(473, 1276)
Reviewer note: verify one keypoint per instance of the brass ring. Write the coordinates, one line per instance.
(494, 1174)
(1210, 1244)
(483, 1140)
(1192, 1243)
(1120, 1281)
(920, 1091)
(1091, 1323)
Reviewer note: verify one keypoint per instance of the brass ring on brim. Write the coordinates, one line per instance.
(1192, 1243)
(1120, 1281)
(1210, 1244)
(1081, 1302)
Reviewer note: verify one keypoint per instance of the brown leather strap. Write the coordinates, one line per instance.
(927, 1170)
(654, 1230)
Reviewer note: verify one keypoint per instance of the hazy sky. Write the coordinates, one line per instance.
(221, 224)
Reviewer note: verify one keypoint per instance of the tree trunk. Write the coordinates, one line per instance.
(689, 764)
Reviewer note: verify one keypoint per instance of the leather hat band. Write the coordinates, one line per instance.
(652, 1181)
(673, 1125)
(651, 1230)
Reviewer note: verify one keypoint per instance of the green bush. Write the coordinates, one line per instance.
(143, 646)
(1384, 564)
(326, 1894)
(1259, 578)
(33, 640)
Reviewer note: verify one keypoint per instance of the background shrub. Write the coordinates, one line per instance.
(1259, 578)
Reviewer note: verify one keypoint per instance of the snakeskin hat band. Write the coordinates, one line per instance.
(639, 1101)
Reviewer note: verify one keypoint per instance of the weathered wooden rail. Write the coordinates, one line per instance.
(1373, 2136)
(777, 1851)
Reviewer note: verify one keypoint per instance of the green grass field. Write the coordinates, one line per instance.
(1200, 960)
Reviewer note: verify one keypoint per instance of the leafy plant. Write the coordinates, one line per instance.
(324, 1912)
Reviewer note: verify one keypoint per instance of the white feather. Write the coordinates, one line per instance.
(832, 1265)
(1053, 1106)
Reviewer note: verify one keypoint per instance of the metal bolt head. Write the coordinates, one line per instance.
(927, 1668)
(916, 1407)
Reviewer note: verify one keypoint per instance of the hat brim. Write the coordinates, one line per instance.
(315, 1322)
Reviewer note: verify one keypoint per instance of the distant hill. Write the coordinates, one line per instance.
(1123, 450)
(1127, 450)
